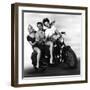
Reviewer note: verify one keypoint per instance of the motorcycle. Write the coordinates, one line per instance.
(64, 53)
(61, 54)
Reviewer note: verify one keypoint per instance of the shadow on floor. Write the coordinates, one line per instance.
(58, 70)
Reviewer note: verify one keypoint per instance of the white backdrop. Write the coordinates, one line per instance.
(5, 45)
(71, 24)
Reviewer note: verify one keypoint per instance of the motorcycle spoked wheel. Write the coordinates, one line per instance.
(69, 57)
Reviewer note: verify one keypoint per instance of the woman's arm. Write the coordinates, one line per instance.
(30, 40)
(52, 23)
(32, 43)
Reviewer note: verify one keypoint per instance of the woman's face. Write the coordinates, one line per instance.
(30, 28)
(47, 24)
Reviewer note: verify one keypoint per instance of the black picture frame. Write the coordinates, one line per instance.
(15, 48)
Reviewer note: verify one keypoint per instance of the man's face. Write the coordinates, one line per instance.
(47, 24)
(39, 26)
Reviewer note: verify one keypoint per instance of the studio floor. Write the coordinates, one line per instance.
(58, 70)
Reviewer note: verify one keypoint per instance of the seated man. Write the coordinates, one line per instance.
(40, 37)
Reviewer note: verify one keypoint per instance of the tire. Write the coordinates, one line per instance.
(69, 57)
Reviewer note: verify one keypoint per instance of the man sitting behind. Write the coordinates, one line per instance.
(40, 36)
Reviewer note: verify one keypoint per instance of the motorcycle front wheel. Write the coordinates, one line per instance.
(69, 57)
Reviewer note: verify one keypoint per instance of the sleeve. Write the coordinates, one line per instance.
(28, 38)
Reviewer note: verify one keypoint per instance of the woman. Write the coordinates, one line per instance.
(50, 29)
(32, 40)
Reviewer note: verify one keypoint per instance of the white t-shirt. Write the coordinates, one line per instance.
(50, 31)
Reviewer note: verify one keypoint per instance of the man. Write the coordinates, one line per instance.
(40, 37)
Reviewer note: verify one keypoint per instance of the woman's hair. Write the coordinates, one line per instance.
(30, 28)
(46, 20)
